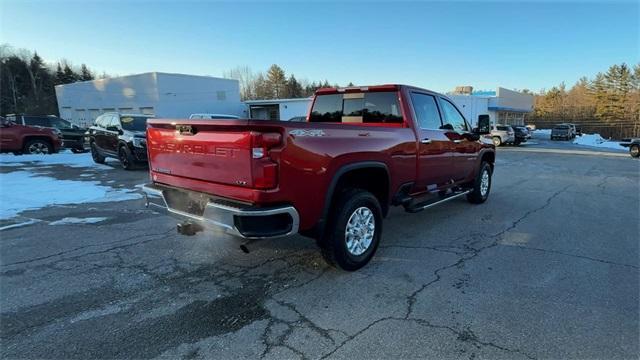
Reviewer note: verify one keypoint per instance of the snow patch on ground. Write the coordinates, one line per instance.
(596, 140)
(75, 220)
(23, 190)
(63, 158)
(24, 223)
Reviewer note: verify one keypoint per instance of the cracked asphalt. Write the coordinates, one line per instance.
(548, 268)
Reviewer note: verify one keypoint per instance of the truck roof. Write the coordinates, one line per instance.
(385, 87)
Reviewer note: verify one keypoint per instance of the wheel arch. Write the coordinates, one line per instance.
(352, 174)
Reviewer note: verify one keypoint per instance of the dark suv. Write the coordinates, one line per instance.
(72, 135)
(521, 134)
(121, 136)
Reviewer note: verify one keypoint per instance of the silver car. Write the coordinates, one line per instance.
(502, 134)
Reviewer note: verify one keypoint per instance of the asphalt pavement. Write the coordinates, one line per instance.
(547, 268)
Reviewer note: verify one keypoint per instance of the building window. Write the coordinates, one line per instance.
(221, 95)
(147, 110)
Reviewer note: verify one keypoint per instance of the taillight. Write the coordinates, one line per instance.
(264, 169)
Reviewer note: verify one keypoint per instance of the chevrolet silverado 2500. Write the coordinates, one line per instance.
(333, 177)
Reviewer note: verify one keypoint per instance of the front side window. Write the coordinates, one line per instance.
(134, 123)
(426, 110)
(453, 120)
(368, 107)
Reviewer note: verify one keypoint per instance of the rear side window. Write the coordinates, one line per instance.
(370, 107)
(502, 128)
(426, 111)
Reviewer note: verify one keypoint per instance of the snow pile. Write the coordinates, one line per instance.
(22, 190)
(75, 220)
(62, 158)
(596, 140)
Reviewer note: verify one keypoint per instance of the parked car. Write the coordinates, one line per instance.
(521, 134)
(634, 146)
(332, 178)
(562, 131)
(19, 139)
(212, 116)
(72, 135)
(120, 136)
(502, 134)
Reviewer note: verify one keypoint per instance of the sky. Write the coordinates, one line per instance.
(435, 45)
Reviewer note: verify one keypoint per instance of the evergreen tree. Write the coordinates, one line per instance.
(68, 75)
(293, 88)
(276, 81)
(85, 73)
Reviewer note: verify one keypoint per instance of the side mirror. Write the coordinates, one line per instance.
(484, 125)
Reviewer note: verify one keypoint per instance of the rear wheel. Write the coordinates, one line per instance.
(481, 185)
(38, 146)
(497, 141)
(634, 150)
(126, 158)
(353, 231)
(97, 158)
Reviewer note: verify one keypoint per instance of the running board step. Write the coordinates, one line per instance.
(437, 201)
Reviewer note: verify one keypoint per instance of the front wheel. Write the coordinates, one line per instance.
(634, 150)
(95, 155)
(126, 158)
(353, 231)
(481, 185)
(38, 146)
(497, 141)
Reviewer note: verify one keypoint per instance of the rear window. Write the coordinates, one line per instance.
(134, 123)
(503, 128)
(370, 107)
(562, 127)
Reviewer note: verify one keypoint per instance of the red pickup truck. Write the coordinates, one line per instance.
(333, 177)
(19, 139)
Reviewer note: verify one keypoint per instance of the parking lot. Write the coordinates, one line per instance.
(546, 268)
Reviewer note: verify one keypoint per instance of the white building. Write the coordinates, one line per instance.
(278, 109)
(503, 106)
(160, 94)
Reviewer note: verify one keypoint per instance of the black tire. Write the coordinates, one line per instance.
(95, 154)
(497, 141)
(126, 158)
(334, 242)
(37, 146)
(634, 150)
(479, 195)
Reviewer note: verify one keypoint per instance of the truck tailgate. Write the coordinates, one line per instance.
(212, 151)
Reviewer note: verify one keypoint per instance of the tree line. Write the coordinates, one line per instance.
(27, 82)
(608, 103)
(274, 84)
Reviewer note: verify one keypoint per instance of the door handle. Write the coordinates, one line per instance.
(425, 141)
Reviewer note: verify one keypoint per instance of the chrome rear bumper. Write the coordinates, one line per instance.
(233, 220)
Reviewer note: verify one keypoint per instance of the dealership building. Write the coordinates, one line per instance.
(178, 96)
(155, 93)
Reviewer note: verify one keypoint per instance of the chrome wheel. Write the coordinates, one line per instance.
(484, 183)
(38, 148)
(360, 230)
(634, 150)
